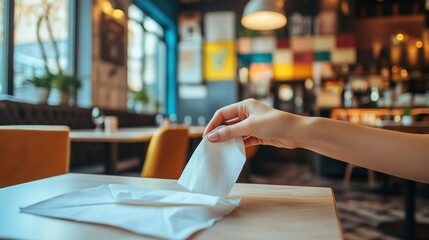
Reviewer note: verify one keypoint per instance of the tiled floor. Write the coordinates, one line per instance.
(360, 208)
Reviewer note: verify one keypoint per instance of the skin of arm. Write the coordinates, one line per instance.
(400, 154)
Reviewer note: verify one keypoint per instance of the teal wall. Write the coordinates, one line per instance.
(169, 7)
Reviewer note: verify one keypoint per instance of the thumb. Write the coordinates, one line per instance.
(226, 132)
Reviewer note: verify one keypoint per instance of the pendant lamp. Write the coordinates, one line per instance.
(264, 15)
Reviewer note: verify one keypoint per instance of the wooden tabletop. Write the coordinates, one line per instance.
(266, 212)
(125, 135)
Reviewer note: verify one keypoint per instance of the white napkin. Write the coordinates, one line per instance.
(210, 175)
(214, 167)
(159, 213)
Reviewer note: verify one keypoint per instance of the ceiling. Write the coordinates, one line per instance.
(363, 8)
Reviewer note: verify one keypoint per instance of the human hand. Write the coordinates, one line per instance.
(255, 122)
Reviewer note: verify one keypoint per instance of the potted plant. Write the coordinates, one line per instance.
(407, 118)
(141, 99)
(66, 84)
(42, 87)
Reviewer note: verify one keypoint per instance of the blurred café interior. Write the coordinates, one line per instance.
(107, 65)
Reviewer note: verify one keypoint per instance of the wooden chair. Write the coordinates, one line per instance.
(167, 152)
(32, 152)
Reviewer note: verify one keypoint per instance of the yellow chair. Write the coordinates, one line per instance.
(167, 152)
(32, 152)
(251, 151)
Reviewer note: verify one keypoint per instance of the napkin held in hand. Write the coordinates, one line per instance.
(214, 167)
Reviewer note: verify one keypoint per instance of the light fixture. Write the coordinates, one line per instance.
(112, 9)
(118, 13)
(285, 92)
(419, 44)
(264, 15)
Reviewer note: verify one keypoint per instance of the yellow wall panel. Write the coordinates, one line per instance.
(220, 61)
(302, 71)
(283, 71)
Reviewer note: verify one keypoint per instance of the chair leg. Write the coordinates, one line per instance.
(371, 179)
(348, 175)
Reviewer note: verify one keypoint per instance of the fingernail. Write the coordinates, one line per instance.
(213, 136)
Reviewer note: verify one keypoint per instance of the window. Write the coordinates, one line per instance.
(41, 44)
(2, 46)
(146, 61)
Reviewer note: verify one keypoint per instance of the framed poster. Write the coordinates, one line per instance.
(220, 62)
(212, 30)
(190, 62)
(189, 26)
(112, 40)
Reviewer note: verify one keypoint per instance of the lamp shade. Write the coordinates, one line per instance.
(264, 15)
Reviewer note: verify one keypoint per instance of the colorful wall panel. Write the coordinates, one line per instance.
(302, 71)
(343, 56)
(312, 35)
(283, 71)
(284, 56)
(302, 43)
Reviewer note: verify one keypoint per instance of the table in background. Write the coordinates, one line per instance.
(266, 211)
(123, 135)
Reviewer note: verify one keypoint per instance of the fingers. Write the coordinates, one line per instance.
(228, 132)
(235, 120)
(222, 115)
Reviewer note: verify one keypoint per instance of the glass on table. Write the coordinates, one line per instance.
(187, 120)
(172, 118)
(162, 120)
(159, 118)
(97, 118)
(201, 120)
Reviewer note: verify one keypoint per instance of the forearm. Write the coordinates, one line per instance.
(400, 154)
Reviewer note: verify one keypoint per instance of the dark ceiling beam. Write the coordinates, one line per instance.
(218, 5)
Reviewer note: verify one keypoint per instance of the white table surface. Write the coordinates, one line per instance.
(266, 212)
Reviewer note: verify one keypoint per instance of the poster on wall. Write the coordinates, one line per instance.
(190, 62)
(300, 25)
(219, 26)
(220, 61)
(108, 88)
(112, 42)
(326, 23)
(189, 26)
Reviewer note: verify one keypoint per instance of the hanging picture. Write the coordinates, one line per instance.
(190, 62)
(219, 26)
(189, 26)
(112, 46)
(300, 25)
(326, 23)
(220, 61)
